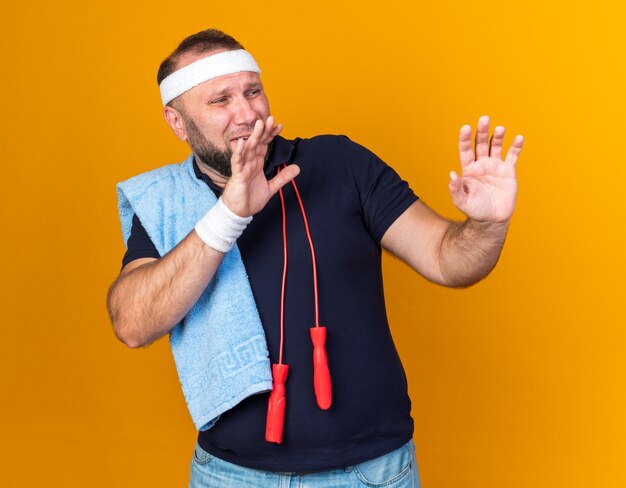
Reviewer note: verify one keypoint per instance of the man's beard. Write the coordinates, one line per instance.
(206, 151)
(208, 154)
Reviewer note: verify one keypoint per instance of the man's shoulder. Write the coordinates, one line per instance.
(338, 148)
(331, 147)
(330, 141)
(166, 174)
(325, 140)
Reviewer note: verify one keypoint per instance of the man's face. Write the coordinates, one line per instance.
(218, 112)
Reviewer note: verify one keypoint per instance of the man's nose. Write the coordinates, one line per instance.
(244, 112)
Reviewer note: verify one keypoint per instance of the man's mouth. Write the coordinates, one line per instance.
(235, 139)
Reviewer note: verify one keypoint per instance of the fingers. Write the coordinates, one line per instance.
(482, 137)
(267, 131)
(250, 146)
(466, 152)
(251, 153)
(455, 182)
(236, 160)
(514, 150)
(284, 177)
(268, 128)
(486, 147)
(271, 130)
(457, 192)
(262, 134)
(495, 144)
(253, 149)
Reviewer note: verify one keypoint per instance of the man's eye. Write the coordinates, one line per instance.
(218, 101)
(253, 93)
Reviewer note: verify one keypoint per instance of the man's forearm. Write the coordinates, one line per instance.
(147, 302)
(469, 251)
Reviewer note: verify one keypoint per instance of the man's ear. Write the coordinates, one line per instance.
(176, 122)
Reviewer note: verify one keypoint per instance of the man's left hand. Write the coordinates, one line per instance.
(486, 191)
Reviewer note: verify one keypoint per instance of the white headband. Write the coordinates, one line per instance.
(204, 69)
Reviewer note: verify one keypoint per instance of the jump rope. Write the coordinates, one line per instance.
(321, 373)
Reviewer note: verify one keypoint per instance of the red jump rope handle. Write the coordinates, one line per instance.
(276, 407)
(321, 374)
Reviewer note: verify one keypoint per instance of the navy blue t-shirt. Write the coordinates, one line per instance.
(351, 197)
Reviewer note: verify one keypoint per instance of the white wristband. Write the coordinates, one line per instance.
(220, 227)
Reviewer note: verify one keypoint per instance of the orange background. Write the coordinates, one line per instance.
(519, 381)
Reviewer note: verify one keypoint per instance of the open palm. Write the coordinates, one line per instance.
(487, 188)
(248, 190)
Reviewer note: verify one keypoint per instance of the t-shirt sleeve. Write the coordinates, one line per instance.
(139, 244)
(383, 194)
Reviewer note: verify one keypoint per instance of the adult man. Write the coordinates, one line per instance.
(172, 273)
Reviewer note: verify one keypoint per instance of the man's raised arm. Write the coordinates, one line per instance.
(151, 296)
(459, 254)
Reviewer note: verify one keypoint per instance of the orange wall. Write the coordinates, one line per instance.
(519, 381)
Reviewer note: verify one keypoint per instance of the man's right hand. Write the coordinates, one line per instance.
(248, 190)
(151, 296)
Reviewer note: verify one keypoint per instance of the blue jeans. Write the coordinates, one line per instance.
(398, 469)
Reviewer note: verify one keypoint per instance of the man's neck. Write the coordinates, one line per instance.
(216, 178)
